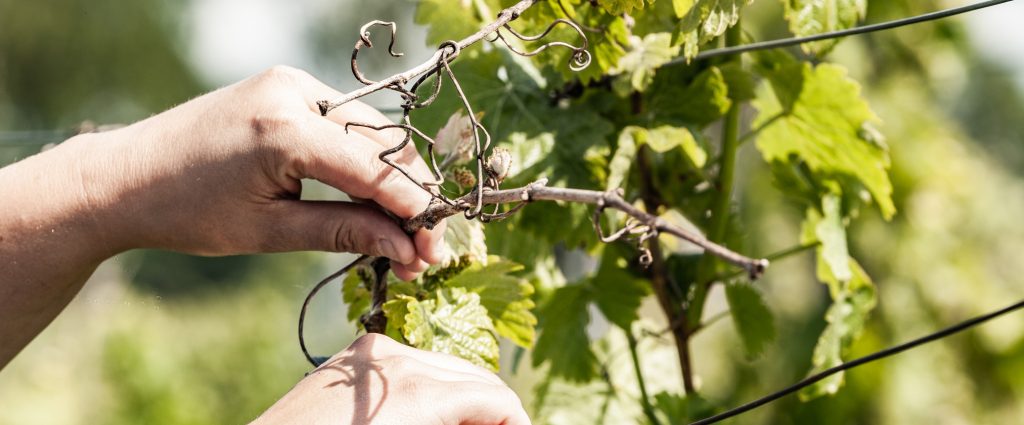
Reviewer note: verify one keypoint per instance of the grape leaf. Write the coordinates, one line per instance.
(754, 322)
(616, 292)
(851, 304)
(445, 20)
(810, 17)
(456, 137)
(829, 230)
(463, 239)
(705, 99)
(355, 295)
(740, 82)
(563, 342)
(672, 408)
(396, 309)
(822, 127)
(705, 20)
(660, 139)
(644, 56)
(618, 7)
(506, 297)
(452, 322)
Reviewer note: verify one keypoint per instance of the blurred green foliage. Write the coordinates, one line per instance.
(171, 339)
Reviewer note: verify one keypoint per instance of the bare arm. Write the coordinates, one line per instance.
(218, 175)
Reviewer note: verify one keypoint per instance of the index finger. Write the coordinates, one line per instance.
(349, 162)
(428, 242)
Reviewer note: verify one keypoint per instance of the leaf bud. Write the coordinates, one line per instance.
(499, 164)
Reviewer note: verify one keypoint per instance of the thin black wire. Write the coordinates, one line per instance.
(858, 362)
(316, 361)
(786, 42)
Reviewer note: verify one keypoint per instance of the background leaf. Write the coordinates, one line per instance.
(822, 128)
(810, 17)
(754, 322)
(563, 344)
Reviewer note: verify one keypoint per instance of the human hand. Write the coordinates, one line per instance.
(377, 380)
(221, 174)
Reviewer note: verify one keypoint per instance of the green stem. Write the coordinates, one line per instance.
(726, 175)
(645, 400)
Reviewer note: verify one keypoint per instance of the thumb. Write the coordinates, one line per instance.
(339, 227)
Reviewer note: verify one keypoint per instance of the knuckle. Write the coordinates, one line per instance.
(345, 238)
(271, 123)
(284, 74)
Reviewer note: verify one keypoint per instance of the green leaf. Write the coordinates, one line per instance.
(705, 99)
(396, 310)
(563, 342)
(618, 7)
(740, 81)
(506, 297)
(810, 17)
(672, 408)
(852, 302)
(817, 117)
(445, 20)
(617, 293)
(452, 322)
(754, 322)
(661, 140)
(463, 239)
(831, 232)
(625, 154)
(681, 7)
(355, 295)
(644, 56)
(705, 20)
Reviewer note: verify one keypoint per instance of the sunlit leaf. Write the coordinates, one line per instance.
(810, 17)
(506, 297)
(452, 322)
(822, 128)
(705, 20)
(846, 318)
(642, 59)
(464, 239)
(355, 295)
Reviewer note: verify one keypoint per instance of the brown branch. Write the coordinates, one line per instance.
(538, 192)
(447, 52)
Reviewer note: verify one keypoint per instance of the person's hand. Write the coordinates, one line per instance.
(377, 380)
(221, 174)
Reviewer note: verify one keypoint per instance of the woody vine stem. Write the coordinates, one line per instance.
(642, 226)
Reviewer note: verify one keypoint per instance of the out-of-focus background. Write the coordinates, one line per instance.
(158, 337)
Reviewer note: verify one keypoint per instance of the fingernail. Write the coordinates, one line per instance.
(387, 249)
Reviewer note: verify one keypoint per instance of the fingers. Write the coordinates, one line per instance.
(358, 112)
(408, 272)
(337, 227)
(349, 162)
(483, 404)
(378, 345)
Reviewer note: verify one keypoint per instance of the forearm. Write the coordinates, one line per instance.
(53, 234)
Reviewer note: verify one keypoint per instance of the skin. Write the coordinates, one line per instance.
(221, 175)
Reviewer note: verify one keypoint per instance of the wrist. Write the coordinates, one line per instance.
(94, 190)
